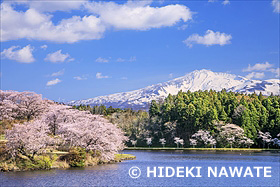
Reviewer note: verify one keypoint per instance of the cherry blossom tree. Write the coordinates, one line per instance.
(7, 106)
(58, 114)
(149, 141)
(177, 141)
(54, 124)
(94, 133)
(21, 105)
(246, 141)
(204, 137)
(193, 142)
(212, 142)
(181, 141)
(231, 133)
(162, 141)
(28, 139)
(266, 138)
(133, 142)
(31, 105)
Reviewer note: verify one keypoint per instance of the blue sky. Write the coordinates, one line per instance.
(84, 49)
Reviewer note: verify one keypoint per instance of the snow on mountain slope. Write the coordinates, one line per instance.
(194, 81)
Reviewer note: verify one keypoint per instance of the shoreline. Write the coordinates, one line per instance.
(63, 165)
(200, 149)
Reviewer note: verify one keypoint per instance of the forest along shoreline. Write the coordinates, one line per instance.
(42, 134)
(201, 149)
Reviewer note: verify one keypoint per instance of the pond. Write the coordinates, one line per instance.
(163, 168)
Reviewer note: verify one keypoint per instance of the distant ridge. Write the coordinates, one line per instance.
(194, 81)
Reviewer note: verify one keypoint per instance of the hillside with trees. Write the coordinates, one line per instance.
(221, 119)
(189, 112)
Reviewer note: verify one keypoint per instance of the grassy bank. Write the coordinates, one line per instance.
(201, 149)
(57, 159)
(121, 157)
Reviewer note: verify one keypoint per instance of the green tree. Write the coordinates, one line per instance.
(154, 109)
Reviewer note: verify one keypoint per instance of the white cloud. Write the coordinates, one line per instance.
(23, 55)
(100, 76)
(36, 22)
(276, 5)
(58, 57)
(102, 60)
(80, 78)
(139, 16)
(210, 38)
(59, 73)
(257, 75)
(276, 71)
(124, 78)
(44, 47)
(34, 25)
(226, 2)
(258, 67)
(53, 82)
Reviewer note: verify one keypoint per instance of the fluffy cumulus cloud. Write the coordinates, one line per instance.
(139, 16)
(276, 5)
(261, 67)
(36, 22)
(257, 75)
(53, 82)
(58, 57)
(210, 38)
(22, 55)
(258, 67)
(100, 76)
(35, 25)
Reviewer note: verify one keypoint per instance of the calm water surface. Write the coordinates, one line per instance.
(117, 174)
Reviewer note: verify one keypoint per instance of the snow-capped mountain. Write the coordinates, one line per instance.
(194, 81)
